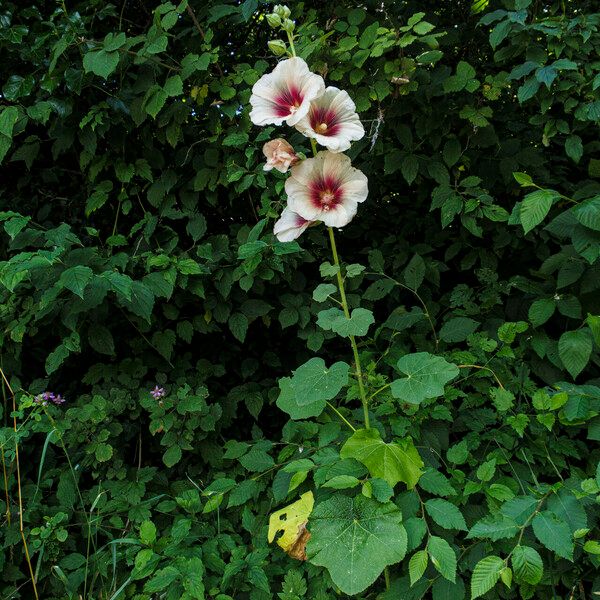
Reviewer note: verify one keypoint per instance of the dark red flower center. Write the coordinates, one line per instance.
(287, 101)
(323, 120)
(326, 193)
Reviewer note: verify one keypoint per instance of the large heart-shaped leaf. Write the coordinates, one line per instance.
(306, 393)
(426, 376)
(393, 462)
(355, 539)
(333, 319)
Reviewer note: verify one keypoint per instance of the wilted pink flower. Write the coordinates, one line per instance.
(280, 155)
(326, 188)
(332, 120)
(285, 94)
(290, 226)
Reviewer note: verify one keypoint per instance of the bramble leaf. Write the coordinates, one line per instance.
(485, 575)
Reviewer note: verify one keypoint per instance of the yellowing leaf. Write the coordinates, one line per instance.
(291, 520)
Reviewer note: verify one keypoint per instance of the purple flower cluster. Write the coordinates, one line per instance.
(49, 397)
(157, 393)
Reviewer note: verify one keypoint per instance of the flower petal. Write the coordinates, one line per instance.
(290, 226)
(339, 216)
(300, 200)
(332, 120)
(326, 188)
(285, 93)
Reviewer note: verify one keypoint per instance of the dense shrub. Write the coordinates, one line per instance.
(137, 252)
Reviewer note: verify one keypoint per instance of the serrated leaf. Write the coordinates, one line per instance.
(499, 33)
(173, 86)
(485, 575)
(574, 350)
(417, 565)
(101, 339)
(414, 272)
(541, 310)
(445, 514)
(355, 539)
(535, 206)
(147, 533)
(162, 579)
(588, 213)
(238, 325)
(436, 483)
(574, 147)
(409, 167)
(528, 89)
(593, 322)
(523, 179)
(172, 456)
(442, 557)
(527, 565)
(447, 590)
(458, 329)
(426, 376)
(379, 289)
(494, 527)
(76, 279)
(141, 301)
(392, 462)
(101, 62)
(341, 482)
(554, 534)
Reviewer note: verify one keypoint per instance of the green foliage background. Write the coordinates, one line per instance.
(136, 251)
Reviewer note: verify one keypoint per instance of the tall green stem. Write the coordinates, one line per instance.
(340, 282)
(359, 373)
(291, 40)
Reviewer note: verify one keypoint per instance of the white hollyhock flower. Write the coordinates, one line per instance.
(285, 94)
(280, 155)
(326, 188)
(290, 226)
(332, 121)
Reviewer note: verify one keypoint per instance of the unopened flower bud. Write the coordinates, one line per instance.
(280, 155)
(288, 25)
(277, 47)
(282, 10)
(274, 20)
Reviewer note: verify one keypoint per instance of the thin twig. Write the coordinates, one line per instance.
(341, 416)
(416, 294)
(485, 369)
(21, 528)
(192, 14)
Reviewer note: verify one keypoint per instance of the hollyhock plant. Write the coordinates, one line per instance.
(332, 121)
(280, 155)
(290, 226)
(285, 94)
(326, 188)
